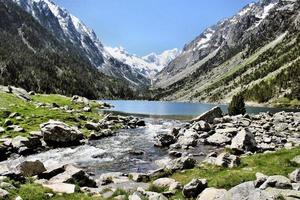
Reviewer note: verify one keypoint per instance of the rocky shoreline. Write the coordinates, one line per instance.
(233, 138)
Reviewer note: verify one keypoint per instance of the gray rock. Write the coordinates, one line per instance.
(2, 130)
(296, 186)
(295, 175)
(241, 191)
(167, 183)
(3, 194)
(277, 181)
(7, 186)
(31, 168)
(164, 140)
(139, 177)
(228, 131)
(7, 123)
(218, 139)
(201, 126)
(260, 179)
(213, 194)
(73, 175)
(227, 160)
(136, 196)
(279, 127)
(189, 138)
(244, 141)
(287, 194)
(194, 188)
(181, 163)
(93, 126)
(101, 134)
(87, 109)
(60, 187)
(210, 115)
(18, 198)
(296, 159)
(78, 99)
(59, 134)
(19, 92)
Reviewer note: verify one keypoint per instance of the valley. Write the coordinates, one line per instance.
(216, 120)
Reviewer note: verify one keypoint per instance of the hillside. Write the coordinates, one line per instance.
(255, 51)
(33, 58)
(67, 27)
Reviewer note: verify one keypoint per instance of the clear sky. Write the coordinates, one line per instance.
(145, 26)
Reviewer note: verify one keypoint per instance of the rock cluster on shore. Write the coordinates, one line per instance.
(242, 133)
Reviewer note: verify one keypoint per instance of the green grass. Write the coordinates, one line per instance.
(32, 116)
(31, 191)
(277, 163)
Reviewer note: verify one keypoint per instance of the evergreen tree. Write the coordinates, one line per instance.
(237, 105)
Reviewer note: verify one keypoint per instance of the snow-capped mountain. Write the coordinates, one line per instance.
(67, 27)
(148, 65)
(163, 59)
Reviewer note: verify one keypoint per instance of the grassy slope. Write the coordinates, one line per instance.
(32, 116)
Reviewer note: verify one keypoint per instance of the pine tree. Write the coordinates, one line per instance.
(237, 105)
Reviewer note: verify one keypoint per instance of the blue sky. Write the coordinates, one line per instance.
(145, 26)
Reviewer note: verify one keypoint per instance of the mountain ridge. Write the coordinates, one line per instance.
(206, 70)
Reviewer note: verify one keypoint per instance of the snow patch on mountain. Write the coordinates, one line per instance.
(163, 59)
(148, 65)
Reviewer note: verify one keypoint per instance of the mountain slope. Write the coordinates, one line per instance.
(148, 65)
(214, 66)
(33, 58)
(67, 27)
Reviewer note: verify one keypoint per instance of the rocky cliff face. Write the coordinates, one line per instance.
(208, 64)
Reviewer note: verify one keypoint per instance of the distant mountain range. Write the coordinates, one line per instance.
(255, 52)
(148, 65)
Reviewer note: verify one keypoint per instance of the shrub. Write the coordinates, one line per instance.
(237, 105)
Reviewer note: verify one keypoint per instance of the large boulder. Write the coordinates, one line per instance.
(244, 141)
(164, 140)
(79, 99)
(295, 176)
(31, 168)
(201, 126)
(277, 181)
(19, 92)
(167, 183)
(227, 160)
(194, 188)
(218, 139)
(210, 115)
(188, 139)
(73, 175)
(181, 163)
(59, 134)
(296, 159)
(212, 194)
(139, 177)
(3, 194)
(60, 187)
(241, 191)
